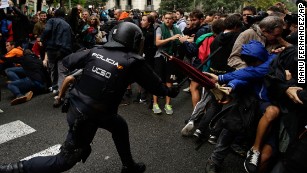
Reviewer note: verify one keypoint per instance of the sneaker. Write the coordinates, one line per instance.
(138, 100)
(29, 95)
(212, 139)
(186, 89)
(55, 92)
(197, 133)
(156, 109)
(1, 111)
(211, 167)
(143, 101)
(136, 168)
(19, 100)
(252, 160)
(188, 129)
(168, 109)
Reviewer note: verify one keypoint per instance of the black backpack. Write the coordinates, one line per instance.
(241, 115)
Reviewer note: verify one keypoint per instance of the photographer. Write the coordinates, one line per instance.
(252, 19)
(247, 11)
(290, 32)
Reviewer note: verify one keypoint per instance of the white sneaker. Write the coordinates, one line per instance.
(186, 89)
(188, 129)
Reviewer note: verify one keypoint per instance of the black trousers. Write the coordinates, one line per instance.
(81, 138)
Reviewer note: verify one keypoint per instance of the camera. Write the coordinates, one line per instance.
(256, 18)
(291, 19)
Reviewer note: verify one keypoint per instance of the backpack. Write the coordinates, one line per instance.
(204, 48)
(204, 45)
(239, 116)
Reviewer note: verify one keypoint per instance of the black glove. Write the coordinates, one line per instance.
(173, 91)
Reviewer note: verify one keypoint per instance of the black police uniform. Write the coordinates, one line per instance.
(94, 104)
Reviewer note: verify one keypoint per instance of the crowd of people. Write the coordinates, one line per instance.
(256, 108)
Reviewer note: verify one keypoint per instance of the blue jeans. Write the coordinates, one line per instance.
(19, 86)
(14, 73)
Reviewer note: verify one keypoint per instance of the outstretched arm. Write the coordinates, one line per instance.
(248, 73)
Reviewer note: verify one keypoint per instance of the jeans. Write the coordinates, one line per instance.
(18, 85)
(21, 86)
(14, 73)
(213, 108)
(57, 70)
(222, 148)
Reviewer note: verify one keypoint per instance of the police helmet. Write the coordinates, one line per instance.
(125, 35)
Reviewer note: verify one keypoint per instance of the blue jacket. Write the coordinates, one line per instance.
(57, 35)
(252, 76)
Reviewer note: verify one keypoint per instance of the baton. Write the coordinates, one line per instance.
(198, 67)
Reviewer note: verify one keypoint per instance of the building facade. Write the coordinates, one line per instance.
(143, 5)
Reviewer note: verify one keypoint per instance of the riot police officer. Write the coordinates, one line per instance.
(94, 100)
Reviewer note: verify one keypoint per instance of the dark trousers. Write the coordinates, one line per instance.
(222, 148)
(81, 138)
(213, 108)
(56, 68)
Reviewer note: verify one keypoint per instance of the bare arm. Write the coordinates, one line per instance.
(66, 83)
(160, 42)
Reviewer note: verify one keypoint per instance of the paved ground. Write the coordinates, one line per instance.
(155, 139)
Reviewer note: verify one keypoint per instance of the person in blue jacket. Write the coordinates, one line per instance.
(258, 60)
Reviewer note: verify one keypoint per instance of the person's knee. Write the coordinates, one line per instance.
(73, 154)
(7, 71)
(194, 85)
(119, 126)
(271, 113)
(266, 154)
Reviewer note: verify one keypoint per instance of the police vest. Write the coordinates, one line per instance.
(106, 74)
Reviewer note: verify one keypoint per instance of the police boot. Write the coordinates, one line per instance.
(135, 168)
(12, 168)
